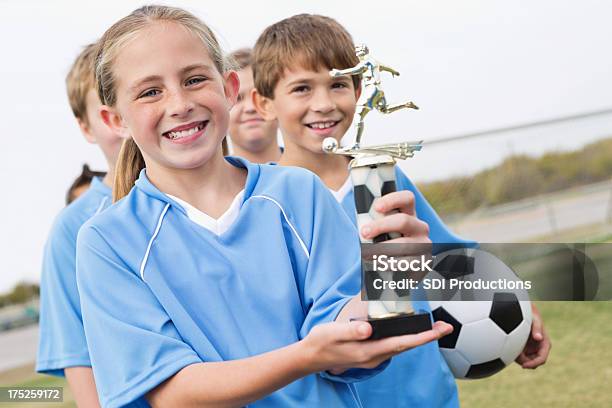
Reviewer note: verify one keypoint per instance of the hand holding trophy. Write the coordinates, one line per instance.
(372, 173)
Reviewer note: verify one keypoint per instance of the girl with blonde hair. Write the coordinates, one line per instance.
(213, 281)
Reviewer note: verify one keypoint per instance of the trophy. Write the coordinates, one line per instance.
(373, 175)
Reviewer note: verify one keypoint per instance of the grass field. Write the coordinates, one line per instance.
(25, 377)
(578, 371)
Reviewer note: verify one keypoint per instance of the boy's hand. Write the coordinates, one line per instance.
(400, 217)
(338, 346)
(538, 345)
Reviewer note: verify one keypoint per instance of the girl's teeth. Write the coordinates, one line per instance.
(184, 133)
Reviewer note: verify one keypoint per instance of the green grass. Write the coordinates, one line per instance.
(578, 371)
(26, 377)
(551, 269)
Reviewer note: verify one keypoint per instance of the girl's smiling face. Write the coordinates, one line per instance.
(171, 98)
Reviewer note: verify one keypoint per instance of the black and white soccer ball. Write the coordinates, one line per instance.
(491, 327)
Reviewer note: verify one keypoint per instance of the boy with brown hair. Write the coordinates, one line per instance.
(252, 137)
(62, 347)
(293, 85)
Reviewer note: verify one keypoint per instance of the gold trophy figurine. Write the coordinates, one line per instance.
(372, 97)
(372, 171)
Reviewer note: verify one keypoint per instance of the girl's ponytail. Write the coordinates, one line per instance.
(129, 165)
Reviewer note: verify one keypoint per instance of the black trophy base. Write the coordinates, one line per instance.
(398, 325)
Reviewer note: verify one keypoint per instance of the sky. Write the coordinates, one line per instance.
(470, 65)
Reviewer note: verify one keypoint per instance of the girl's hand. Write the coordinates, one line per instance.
(338, 346)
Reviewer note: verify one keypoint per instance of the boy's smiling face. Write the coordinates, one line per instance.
(310, 106)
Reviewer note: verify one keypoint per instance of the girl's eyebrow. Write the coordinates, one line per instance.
(152, 78)
(139, 83)
(192, 67)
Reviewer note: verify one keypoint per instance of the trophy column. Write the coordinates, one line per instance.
(373, 177)
(372, 171)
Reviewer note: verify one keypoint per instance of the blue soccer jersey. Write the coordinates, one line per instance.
(418, 377)
(62, 339)
(160, 292)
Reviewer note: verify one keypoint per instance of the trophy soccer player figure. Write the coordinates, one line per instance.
(373, 97)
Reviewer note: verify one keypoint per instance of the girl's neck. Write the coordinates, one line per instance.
(271, 153)
(332, 169)
(210, 188)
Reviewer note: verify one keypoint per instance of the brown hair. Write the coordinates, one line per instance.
(241, 58)
(80, 80)
(131, 161)
(83, 179)
(310, 40)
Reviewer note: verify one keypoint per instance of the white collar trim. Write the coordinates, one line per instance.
(216, 226)
(346, 188)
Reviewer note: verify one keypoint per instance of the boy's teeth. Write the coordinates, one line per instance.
(322, 125)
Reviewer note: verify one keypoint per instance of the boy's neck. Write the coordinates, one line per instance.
(332, 169)
(210, 188)
(109, 179)
(270, 153)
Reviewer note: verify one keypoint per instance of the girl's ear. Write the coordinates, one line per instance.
(232, 86)
(113, 120)
(263, 105)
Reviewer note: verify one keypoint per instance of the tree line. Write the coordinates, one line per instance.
(21, 293)
(521, 176)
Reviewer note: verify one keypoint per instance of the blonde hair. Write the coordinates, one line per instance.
(80, 80)
(309, 40)
(130, 161)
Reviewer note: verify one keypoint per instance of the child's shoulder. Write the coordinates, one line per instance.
(125, 229)
(287, 172)
(299, 193)
(135, 211)
(74, 215)
(287, 181)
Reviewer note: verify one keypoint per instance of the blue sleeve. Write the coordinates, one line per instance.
(333, 274)
(134, 346)
(441, 236)
(62, 339)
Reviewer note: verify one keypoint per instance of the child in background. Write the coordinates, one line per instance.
(81, 184)
(213, 281)
(293, 85)
(252, 137)
(62, 347)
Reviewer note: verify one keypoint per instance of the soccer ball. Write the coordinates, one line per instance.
(491, 326)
